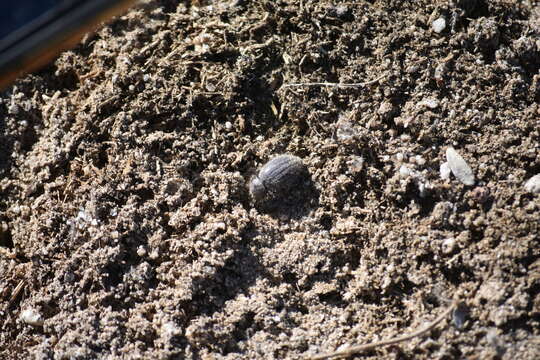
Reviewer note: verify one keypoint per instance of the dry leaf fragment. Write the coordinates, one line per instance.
(461, 170)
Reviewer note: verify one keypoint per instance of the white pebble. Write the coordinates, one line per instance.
(404, 171)
(430, 103)
(220, 226)
(533, 184)
(459, 167)
(449, 245)
(31, 317)
(169, 329)
(439, 25)
(16, 209)
(356, 163)
(154, 255)
(141, 251)
(444, 169)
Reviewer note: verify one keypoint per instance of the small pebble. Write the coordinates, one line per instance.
(533, 184)
(32, 317)
(449, 245)
(342, 10)
(220, 226)
(141, 251)
(154, 255)
(445, 170)
(439, 25)
(420, 160)
(404, 171)
(430, 103)
(459, 167)
(356, 164)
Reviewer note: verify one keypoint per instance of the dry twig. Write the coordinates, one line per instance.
(335, 84)
(15, 294)
(364, 347)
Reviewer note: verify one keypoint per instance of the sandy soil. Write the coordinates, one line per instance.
(126, 225)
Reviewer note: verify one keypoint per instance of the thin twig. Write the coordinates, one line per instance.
(335, 84)
(15, 294)
(364, 347)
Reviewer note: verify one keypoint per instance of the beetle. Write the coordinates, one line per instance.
(277, 177)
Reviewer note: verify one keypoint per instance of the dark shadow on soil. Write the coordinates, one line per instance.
(6, 148)
(213, 290)
(295, 205)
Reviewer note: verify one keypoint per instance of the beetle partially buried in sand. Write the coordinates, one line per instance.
(278, 178)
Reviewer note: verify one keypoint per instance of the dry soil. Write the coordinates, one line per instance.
(128, 231)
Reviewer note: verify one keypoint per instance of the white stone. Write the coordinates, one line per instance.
(533, 184)
(404, 171)
(141, 251)
(431, 103)
(439, 25)
(444, 169)
(31, 317)
(449, 245)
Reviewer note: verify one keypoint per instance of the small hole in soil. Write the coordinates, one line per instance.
(290, 278)
(6, 239)
(115, 274)
(332, 297)
(326, 222)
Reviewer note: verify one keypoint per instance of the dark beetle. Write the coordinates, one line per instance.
(278, 176)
